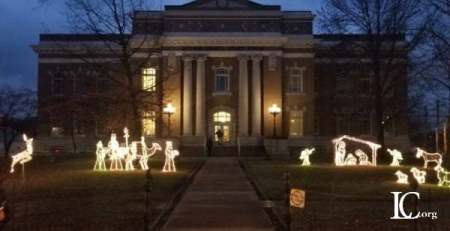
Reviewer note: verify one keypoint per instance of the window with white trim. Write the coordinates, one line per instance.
(222, 80)
(296, 80)
(149, 79)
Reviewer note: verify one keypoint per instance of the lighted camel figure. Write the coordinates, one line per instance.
(402, 178)
(101, 152)
(363, 158)
(397, 157)
(429, 157)
(443, 176)
(169, 163)
(24, 156)
(419, 175)
(304, 155)
(143, 160)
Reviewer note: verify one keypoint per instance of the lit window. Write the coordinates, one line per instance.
(148, 124)
(222, 80)
(149, 79)
(222, 117)
(57, 85)
(295, 82)
(296, 123)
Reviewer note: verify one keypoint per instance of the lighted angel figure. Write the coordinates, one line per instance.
(397, 157)
(443, 176)
(143, 160)
(402, 178)
(350, 160)
(419, 175)
(130, 157)
(304, 155)
(169, 162)
(101, 155)
(429, 157)
(340, 153)
(24, 156)
(363, 158)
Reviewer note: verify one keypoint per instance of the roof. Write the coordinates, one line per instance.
(79, 37)
(222, 4)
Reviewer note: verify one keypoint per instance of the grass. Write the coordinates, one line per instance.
(344, 194)
(68, 194)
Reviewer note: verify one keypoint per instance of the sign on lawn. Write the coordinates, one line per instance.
(297, 198)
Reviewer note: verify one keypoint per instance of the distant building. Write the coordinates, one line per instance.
(225, 63)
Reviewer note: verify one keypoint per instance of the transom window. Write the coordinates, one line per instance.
(295, 82)
(148, 123)
(222, 80)
(296, 123)
(149, 79)
(222, 117)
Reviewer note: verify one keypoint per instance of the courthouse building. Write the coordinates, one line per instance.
(225, 63)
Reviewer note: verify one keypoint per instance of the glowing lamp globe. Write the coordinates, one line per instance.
(169, 109)
(274, 109)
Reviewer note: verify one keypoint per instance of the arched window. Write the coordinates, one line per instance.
(222, 117)
(222, 80)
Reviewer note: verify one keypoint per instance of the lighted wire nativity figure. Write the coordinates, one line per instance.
(101, 153)
(443, 176)
(397, 157)
(429, 157)
(304, 155)
(342, 158)
(169, 162)
(24, 156)
(419, 175)
(147, 153)
(402, 178)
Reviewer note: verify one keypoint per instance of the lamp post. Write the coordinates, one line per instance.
(169, 109)
(274, 110)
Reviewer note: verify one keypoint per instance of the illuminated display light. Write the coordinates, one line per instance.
(402, 178)
(443, 176)
(397, 157)
(101, 153)
(350, 160)
(169, 109)
(304, 155)
(147, 153)
(274, 109)
(419, 175)
(363, 158)
(24, 156)
(428, 157)
(169, 162)
(115, 154)
(340, 153)
(130, 157)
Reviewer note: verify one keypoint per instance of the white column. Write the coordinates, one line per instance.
(200, 98)
(187, 96)
(243, 96)
(256, 96)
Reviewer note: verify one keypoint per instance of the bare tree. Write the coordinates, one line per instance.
(393, 30)
(17, 109)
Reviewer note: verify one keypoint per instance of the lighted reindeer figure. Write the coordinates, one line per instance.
(363, 158)
(402, 178)
(143, 161)
(24, 156)
(100, 160)
(443, 176)
(397, 157)
(304, 155)
(429, 157)
(419, 175)
(169, 163)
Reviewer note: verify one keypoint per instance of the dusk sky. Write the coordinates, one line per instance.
(23, 20)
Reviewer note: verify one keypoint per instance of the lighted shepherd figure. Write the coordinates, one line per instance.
(429, 157)
(304, 155)
(100, 164)
(169, 162)
(24, 156)
(397, 157)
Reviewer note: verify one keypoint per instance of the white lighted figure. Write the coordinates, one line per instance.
(362, 157)
(402, 178)
(143, 161)
(443, 176)
(397, 157)
(116, 154)
(340, 150)
(101, 155)
(304, 155)
(429, 157)
(350, 160)
(169, 163)
(419, 175)
(24, 156)
(130, 157)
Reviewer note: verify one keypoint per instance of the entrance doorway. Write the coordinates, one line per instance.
(222, 122)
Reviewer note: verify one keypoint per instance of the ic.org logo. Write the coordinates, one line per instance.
(399, 209)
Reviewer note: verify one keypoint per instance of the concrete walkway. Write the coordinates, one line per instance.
(220, 198)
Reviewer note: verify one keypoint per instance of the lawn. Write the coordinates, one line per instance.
(67, 194)
(346, 195)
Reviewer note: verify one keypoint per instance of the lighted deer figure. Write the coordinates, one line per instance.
(169, 163)
(443, 176)
(304, 155)
(363, 158)
(143, 161)
(402, 178)
(419, 175)
(24, 156)
(428, 157)
(397, 157)
(100, 160)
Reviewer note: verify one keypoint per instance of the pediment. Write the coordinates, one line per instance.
(223, 5)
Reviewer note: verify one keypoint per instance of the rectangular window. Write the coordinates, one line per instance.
(148, 123)
(222, 80)
(295, 83)
(296, 123)
(57, 88)
(149, 79)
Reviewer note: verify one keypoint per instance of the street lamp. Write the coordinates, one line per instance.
(169, 109)
(274, 110)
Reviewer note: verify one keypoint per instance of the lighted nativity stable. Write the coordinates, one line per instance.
(343, 158)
